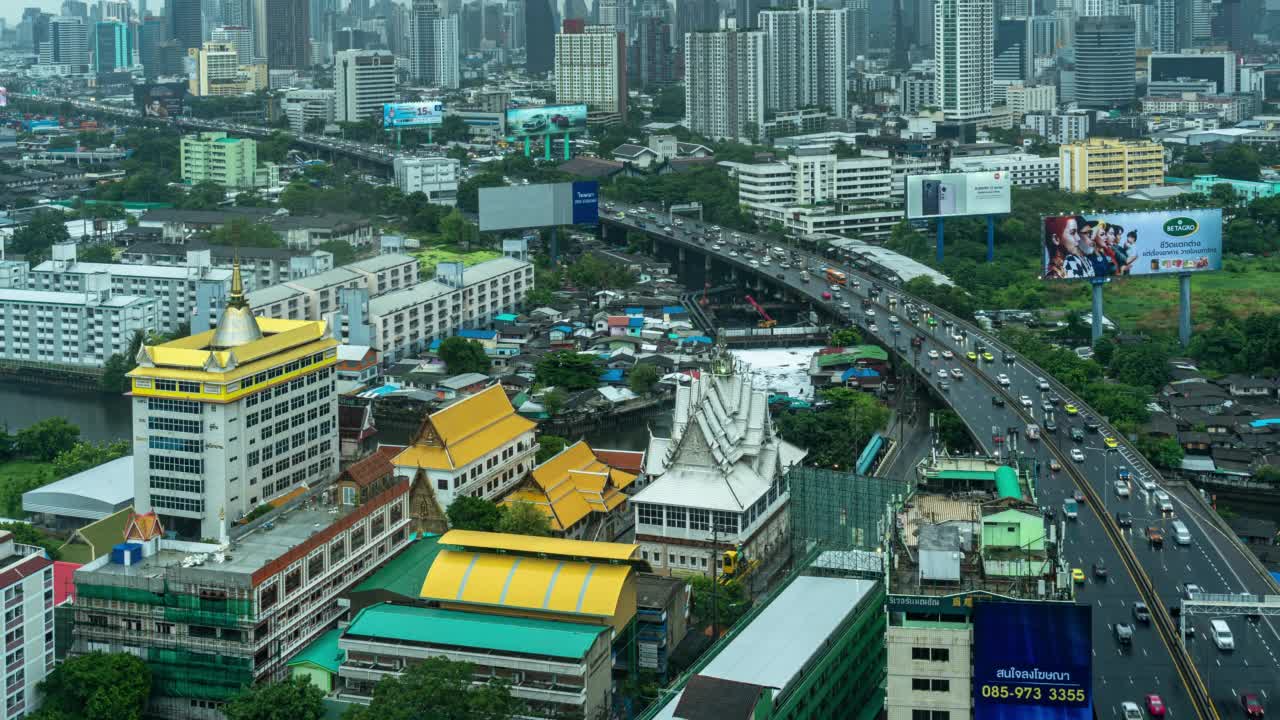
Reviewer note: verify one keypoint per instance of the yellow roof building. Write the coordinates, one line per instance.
(464, 432)
(523, 576)
(571, 486)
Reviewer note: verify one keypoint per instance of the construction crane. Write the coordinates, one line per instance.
(767, 322)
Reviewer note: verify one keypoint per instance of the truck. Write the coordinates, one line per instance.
(1070, 508)
(835, 277)
(1033, 431)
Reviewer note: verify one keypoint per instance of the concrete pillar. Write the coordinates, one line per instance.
(1097, 308)
(1184, 308)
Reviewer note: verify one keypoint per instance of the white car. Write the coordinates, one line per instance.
(1164, 501)
(1146, 483)
(1026, 401)
(844, 306)
(834, 288)
(755, 264)
(872, 327)
(869, 312)
(958, 338)
(947, 354)
(1130, 711)
(1003, 379)
(957, 374)
(1077, 454)
(933, 354)
(1122, 489)
(942, 373)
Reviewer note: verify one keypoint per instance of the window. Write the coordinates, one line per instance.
(270, 594)
(932, 654)
(726, 522)
(177, 503)
(176, 464)
(699, 519)
(930, 685)
(159, 482)
(174, 425)
(348, 495)
(930, 715)
(165, 405)
(675, 517)
(649, 514)
(162, 442)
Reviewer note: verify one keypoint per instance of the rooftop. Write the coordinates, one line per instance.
(159, 272)
(457, 435)
(50, 297)
(323, 652)
(405, 573)
(195, 358)
(491, 269)
(409, 297)
(93, 494)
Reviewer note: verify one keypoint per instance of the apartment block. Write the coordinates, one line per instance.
(72, 328)
(1059, 129)
(214, 157)
(591, 68)
(26, 585)
(259, 267)
(1023, 99)
(813, 175)
(363, 81)
(313, 297)
(303, 106)
(725, 83)
(435, 177)
(1110, 166)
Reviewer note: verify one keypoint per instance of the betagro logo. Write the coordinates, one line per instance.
(1180, 226)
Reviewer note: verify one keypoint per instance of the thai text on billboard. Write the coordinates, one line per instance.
(1032, 661)
(1134, 243)
(546, 120)
(419, 114)
(530, 206)
(957, 194)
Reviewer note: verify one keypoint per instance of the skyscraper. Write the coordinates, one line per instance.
(433, 45)
(539, 37)
(591, 68)
(694, 16)
(239, 37)
(154, 30)
(363, 80)
(614, 14)
(654, 61)
(184, 20)
(288, 44)
(808, 58)
(1012, 50)
(111, 49)
(68, 44)
(964, 58)
(858, 33)
(746, 13)
(1105, 50)
(1173, 25)
(724, 83)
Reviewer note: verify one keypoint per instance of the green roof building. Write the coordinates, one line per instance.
(229, 162)
(319, 661)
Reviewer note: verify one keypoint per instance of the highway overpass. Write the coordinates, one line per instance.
(1194, 678)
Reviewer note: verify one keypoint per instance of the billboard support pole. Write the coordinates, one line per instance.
(1096, 332)
(567, 154)
(546, 147)
(991, 238)
(941, 226)
(1184, 308)
(528, 146)
(555, 246)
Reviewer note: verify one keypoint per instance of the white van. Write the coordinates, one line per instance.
(1222, 636)
(1181, 535)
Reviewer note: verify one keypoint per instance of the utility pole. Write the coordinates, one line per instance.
(715, 583)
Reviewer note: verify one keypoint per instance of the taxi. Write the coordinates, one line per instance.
(1077, 576)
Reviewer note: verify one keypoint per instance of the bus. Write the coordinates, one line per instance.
(835, 277)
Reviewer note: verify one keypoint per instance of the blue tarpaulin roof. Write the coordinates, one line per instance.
(563, 328)
(858, 372)
(505, 317)
(673, 309)
(611, 376)
(1264, 422)
(633, 311)
(700, 339)
(478, 334)
(635, 322)
(435, 345)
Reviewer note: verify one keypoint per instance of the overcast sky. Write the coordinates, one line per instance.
(11, 10)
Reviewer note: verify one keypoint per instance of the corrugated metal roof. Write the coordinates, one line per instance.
(965, 475)
(404, 574)
(512, 581)
(554, 547)
(498, 633)
(323, 652)
(1007, 482)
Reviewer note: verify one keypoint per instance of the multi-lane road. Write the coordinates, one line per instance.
(1213, 560)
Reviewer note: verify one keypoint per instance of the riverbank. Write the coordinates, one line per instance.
(101, 417)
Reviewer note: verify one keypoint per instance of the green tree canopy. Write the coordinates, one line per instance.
(343, 253)
(242, 232)
(461, 355)
(548, 447)
(438, 689)
(524, 518)
(553, 401)
(1163, 452)
(97, 686)
(567, 369)
(1237, 161)
(642, 379)
(835, 434)
(48, 438)
(472, 513)
(96, 252)
(34, 239)
(294, 698)
(204, 195)
(85, 455)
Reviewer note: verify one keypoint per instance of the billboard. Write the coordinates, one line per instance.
(546, 120)
(955, 194)
(4, 97)
(160, 100)
(1132, 243)
(408, 115)
(530, 206)
(1032, 661)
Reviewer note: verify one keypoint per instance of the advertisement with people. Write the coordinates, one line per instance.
(1032, 661)
(1134, 243)
(419, 114)
(546, 120)
(958, 194)
(160, 100)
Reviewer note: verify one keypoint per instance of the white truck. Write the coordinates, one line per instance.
(1070, 508)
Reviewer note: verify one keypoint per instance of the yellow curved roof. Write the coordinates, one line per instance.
(525, 583)
(571, 485)
(551, 547)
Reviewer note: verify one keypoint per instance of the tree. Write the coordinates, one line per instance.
(438, 689)
(292, 699)
(1236, 161)
(472, 513)
(1164, 452)
(553, 401)
(835, 433)
(27, 534)
(96, 252)
(453, 129)
(1223, 195)
(115, 370)
(461, 355)
(1269, 474)
(342, 251)
(729, 605)
(469, 189)
(204, 195)
(457, 230)
(1145, 364)
(524, 518)
(34, 239)
(47, 439)
(642, 379)
(85, 455)
(548, 447)
(845, 337)
(953, 433)
(313, 126)
(567, 369)
(241, 232)
(459, 153)
(97, 686)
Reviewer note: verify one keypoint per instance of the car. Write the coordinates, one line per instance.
(957, 373)
(1077, 576)
(957, 337)
(869, 312)
(997, 401)
(988, 357)
(1091, 423)
(1130, 711)
(872, 327)
(1142, 614)
(1003, 379)
(1100, 569)
(1190, 590)
(1025, 400)
(844, 306)
(1071, 409)
(1110, 442)
(1155, 536)
(946, 386)
(1046, 407)
(1050, 425)
(948, 355)
(933, 354)
(1163, 501)
(1077, 434)
(973, 356)
(1124, 636)
(1251, 705)
(1053, 398)
(1054, 465)
(1076, 455)
(1146, 483)
(1124, 519)
(1008, 358)
(1122, 489)
(942, 373)
(755, 264)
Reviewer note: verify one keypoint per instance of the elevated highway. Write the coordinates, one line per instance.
(1193, 677)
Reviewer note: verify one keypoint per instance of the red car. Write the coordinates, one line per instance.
(1155, 706)
(560, 120)
(1252, 705)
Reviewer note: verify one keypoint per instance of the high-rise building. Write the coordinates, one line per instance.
(808, 59)
(1109, 166)
(858, 32)
(964, 58)
(217, 70)
(654, 61)
(1012, 61)
(1173, 25)
(239, 37)
(152, 32)
(724, 83)
(303, 106)
(288, 45)
(746, 13)
(433, 46)
(236, 13)
(111, 47)
(1105, 52)
(26, 581)
(694, 16)
(1202, 14)
(68, 44)
(1096, 8)
(1240, 19)
(363, 80)
(75, 8)
(1044, 36)
(539, 36)
(185, 22)
(614, 14)
(117, 10)
(214, 157)
(591, 68)
(1144, 22)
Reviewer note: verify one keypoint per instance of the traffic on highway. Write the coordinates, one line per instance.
(1005, 402)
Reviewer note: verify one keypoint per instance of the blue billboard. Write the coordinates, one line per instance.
(546, 120)
(1032, 661)
(586, 202)
(419, 114)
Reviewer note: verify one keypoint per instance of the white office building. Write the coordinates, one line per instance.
(72, 328)
(315, 296)
(963, 46)
(591, 68)
(302, 106)
(1022, 99)
(808, 56)
(1059, 129)
(435, 177)
(724, 83)
(1024, 170)
(187, 296)
(433, 46)
(813, 175)
(239, 37)
(26, 583)
(363, 80)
